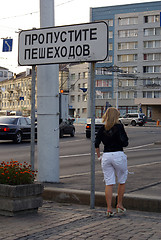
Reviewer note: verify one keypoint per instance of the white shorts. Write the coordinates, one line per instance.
(114, 163)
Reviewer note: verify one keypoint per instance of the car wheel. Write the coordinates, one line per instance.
(73, 133)
(61, 134)
(18, 137)
(133, 123)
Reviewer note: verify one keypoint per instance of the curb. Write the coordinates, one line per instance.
(131, 201)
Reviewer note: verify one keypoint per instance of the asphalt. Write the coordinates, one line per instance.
(66, 212)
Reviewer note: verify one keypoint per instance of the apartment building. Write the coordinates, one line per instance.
(78, 89)
(131, 76)
(15, 93)
(5, 74)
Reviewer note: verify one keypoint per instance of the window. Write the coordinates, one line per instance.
(103, 83)
(127, 45)
(72, 76)
(110, 34)
(151, 69)
(78, 98)
(152, 56)
(152, 32)
(127, 21)
(84, 110)
(128, 33)
(84, 97)
(85, 75)
(79, 86)
(72, 98)
(72, 87)
(151, 19)
(110, 22)
(129, 69)
(1, 73)
(149, 94)
(5, 73)
(127, 58)
(156, 94)
(84, 85)
(110, 46)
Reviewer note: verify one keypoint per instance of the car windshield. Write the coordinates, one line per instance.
(8, 120)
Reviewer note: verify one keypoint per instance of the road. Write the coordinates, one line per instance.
(75, 152)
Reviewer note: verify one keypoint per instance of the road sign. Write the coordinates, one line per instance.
(7, 45)
(74, 43)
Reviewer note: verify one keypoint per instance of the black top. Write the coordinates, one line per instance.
(113, 140)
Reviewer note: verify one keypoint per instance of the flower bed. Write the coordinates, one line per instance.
(19, 193)
(15, 173)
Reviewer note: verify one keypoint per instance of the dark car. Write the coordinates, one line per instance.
(66, 127)
(15, 128)
(98, 124)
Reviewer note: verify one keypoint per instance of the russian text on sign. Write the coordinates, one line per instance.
(83, 42)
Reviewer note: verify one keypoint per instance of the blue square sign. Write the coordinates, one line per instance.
(7, 45)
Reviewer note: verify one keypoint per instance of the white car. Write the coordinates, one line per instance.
(133, 119)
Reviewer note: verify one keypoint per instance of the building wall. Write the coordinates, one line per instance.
(5, 74)
(78, 90)
(15, 94)
(133, 28)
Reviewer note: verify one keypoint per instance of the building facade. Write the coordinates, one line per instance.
(134, 57)
(78, 89)
(5, 74)
(15, 93)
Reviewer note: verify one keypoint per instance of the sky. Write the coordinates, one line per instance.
(19, 15)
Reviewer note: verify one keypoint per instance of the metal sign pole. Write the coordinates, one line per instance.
(32, 153)
(92, 96)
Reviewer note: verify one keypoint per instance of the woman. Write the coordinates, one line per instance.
(113, 160)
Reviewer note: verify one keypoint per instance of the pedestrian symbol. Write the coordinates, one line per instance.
(7, 45)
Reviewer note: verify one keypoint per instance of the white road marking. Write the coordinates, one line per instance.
(137, 148)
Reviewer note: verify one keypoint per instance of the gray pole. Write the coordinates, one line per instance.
(32, 154)
(48, 108)
(92, 98)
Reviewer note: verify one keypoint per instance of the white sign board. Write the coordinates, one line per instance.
(74, 43)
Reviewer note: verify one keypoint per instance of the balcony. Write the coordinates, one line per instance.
(28, 96)
(10, 90)
(9, 98)
(18, 89)
(17, 97)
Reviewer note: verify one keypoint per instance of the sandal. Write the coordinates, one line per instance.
(110, 214)
(120, 210)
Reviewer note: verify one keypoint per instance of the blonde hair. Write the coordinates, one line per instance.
(110, 117)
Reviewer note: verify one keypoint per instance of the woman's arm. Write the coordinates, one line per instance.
(98, 152)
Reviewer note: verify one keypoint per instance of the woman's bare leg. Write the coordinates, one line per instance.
(120, 192)
(108, 195)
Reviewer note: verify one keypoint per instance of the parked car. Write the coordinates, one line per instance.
(133, 119)
(66, 127)
(98, 124)
(15, 128)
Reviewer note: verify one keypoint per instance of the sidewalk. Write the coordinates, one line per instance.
(68, 221)
(143, 189)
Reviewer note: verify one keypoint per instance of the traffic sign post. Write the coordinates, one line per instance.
(74, 43)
